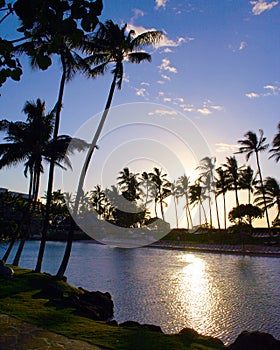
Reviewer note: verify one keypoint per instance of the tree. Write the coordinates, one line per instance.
(146, 186)
(162, 188)
(254, 145)
(207, 168)
(272, 195)
(232, 174)
(129, 185)
(222, 186)
(276, 146)
(246, 213)
(196, 198)
(110, 45)
(247, 181)
(174, 192)
(184, 189)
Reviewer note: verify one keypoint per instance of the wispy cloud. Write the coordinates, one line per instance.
(204, 111)
(163, 112)
(252, 95)
(260, 6)
(165, 42)
(145, 83)
(137, 13)
(141, 92)
(242, 45)
(166, 77)
(160, 3)
(165, 66)
(226, 148)
(268, 90)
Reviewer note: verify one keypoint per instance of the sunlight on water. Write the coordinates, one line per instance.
(215, 294)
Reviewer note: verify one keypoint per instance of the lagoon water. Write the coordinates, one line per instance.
(216, 294)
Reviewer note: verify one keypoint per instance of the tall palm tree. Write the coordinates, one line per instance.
(232, 173)
(222, 188)
(129, 185)
(175, 192)
(162, 188)
(111, 45)
(252, 144)
(207, 168)
(184, 190)
(276, 146)
(145, 187)
(272, 195)
(196, 198)
(247, 181)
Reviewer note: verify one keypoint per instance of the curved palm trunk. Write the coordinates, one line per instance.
(190, 216)
(161, 208)
(263, 191)
(156, 214)
(204, 213)
(187, 217)
(68, 248)
(210, 211)
(10, 247)
(51, 170)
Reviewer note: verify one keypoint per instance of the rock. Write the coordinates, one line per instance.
(5, 271)
(112, 323)
(95, 305)
(53, 291)
(255, 341)
(134, 324)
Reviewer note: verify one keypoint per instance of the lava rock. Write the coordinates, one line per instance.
(5, 271)
(134, 324)
(52, 291)
(255, 341)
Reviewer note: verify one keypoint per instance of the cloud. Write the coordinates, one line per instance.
(160, 82)
(166, 77)
(144, 83)
(167, 99)
(163, 112)
(161, 3)
(217, 107)
(165, 65)
(141, 92)
(137, 13)
(242, 45)
(204, 111)
(226, 148)
(269, 90)
(164, 42)
(260, 6)
(167, 50)
(252, 95)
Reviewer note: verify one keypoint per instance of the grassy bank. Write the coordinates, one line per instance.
(22, 297)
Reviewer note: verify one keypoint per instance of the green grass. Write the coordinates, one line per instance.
(22, 297)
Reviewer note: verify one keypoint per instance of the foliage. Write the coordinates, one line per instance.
(276, 146)
(245, 212)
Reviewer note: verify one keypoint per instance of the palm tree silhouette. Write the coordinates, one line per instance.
(254, 145)
(272, 195)
(232, 174)
(276, 146)
(184, 190)
(247, 181)
(175, 192)
(196, 198)
(162, 188)
(129, 185)
(110, 45)
(222, 186)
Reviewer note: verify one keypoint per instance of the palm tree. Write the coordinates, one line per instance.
(162, 188)
(110, 45)
(184, 189)
(272, 195)
(129, 185)
(207, 168)
(276, 146)
(222, 188)
(247, 181)
(145, 186)
(175, 192)
(254, 145)
(232, 174)
(196, 198)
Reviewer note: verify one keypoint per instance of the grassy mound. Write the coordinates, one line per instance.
(22, 297)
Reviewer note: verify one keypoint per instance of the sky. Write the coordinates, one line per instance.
(216, 68)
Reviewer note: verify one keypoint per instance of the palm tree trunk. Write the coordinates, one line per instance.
(10, 247)
(20, 249)
(187, 217)
(204, 213)
(176, 212)
(66, 257)
(210, 210)
(156, 214)
(199, 213)
(225, 211)
(189, 212)
(263, 191)
(161, 208)
(217, 211)
(51, 170)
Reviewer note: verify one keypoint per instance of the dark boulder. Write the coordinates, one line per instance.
(134, 324)
(5, 271)
(52, 291)
(255, 341)
(95, 305)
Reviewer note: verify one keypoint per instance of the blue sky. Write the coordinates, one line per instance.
(218, 65)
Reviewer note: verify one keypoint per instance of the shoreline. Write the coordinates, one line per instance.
(250, 250)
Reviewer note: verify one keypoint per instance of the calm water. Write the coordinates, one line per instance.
(216, 294)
